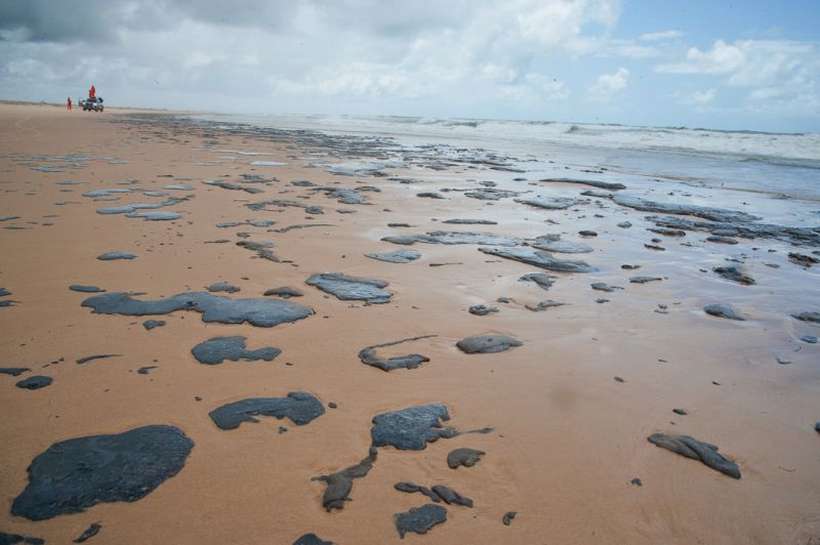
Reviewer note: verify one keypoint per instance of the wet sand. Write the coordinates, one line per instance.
(568, 438)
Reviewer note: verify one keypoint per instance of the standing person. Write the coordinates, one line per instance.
(68, 104)
(92, 93)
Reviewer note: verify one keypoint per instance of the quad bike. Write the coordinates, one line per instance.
(92, 104)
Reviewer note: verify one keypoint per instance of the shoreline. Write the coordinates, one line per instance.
(112, 109)
(454, 119)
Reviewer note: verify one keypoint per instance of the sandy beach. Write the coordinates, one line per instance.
(570, 409)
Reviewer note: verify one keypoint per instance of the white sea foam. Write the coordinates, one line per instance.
(785, 149)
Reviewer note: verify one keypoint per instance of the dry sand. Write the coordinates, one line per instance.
(568, 438)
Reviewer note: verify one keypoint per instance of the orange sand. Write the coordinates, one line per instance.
(568, 437)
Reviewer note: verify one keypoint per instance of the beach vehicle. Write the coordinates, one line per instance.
(92, 104)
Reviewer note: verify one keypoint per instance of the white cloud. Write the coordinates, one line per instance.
(785, 100)
(387, 52)
(367, 79)
(427, 57)
(780, 75)
(198, 59)
(628, 49)
(501, 74)
(536, 89)
(554, 23)
(609, 85)
(699, 99)
(703, 98)
(661, 36)
(546, 87)
(767, 93)
(751, 63)
(722, 59)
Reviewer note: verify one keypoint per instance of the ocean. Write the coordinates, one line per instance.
(737, 166)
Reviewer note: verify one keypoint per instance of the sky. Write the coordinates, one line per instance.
(739, 64)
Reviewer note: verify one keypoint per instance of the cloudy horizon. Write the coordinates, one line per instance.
(753, 66)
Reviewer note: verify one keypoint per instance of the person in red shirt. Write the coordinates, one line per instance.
(68, 104)
(92, 93)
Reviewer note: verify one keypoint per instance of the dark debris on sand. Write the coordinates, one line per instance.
(89, 532)
(311, 539)
(420, 519)
(487, 344)
(697, 450)
(218, 349)
(116, 255)
(284, 292)
(87, 359)
(257, 312)
(222, 286)
(17, 539)
(300, 407)
(721, 310)
(397, 256)
(73, 475)
(405, 429)
(482, 310)
(34, 382)
(13, 371)
(609, 186)
(85, 289)
(539, 258)
(411, 428)
(351, 288)
(369, 356)
(340, 483)
(735, 275)
(151, 324)
(467, 457)
(542, 280)
(438, 493)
